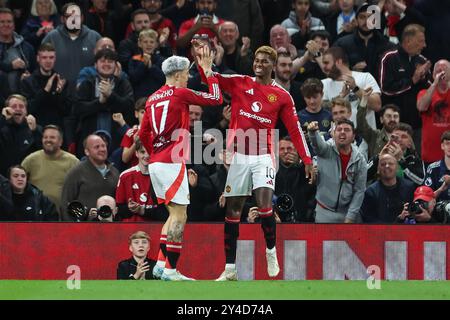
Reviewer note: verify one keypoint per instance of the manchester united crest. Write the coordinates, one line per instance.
(272, 97)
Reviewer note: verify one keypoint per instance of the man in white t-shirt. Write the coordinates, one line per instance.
(349, 84)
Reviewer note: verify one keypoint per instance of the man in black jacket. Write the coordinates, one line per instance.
(404, 72)
(19, 133)
(138, 266)
(46, 90)
(98, 97)
(384, 199)
(365, 45)
(140, 20)
(17, 56)
(291, 180)
(21, 201)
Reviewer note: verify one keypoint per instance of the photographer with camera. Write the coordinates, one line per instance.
(424, 208)
(105, 211)
(91, 178)
(294, 196)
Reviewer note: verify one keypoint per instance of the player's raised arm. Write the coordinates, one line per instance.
(214, 96)
(226, 82)
(290, 119)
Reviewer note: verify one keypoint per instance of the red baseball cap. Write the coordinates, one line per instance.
(424, 193)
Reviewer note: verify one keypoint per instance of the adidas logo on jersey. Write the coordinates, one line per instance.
(250, 91)
(135, 186)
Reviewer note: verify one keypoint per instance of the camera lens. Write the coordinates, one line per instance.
(104, 211)
(77, 211)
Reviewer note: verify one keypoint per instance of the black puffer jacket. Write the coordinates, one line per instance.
(32, 206)
(16, 142)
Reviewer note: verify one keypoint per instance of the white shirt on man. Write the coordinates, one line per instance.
(332, 88)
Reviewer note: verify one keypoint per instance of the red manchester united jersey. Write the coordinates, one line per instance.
(257, 107)
(166, 111)
(135, 185)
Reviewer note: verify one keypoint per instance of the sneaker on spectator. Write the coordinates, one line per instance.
(228, 275)
(157, 271)
(176, 276)
(272, 262)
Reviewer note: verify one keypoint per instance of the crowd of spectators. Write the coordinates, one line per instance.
(370, 82)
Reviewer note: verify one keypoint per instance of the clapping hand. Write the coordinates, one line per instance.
(105, 88)
(141, 268)
(245, 46)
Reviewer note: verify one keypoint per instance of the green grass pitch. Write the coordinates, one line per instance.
(210, 290)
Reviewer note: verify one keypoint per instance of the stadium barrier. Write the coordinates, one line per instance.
(305, 251)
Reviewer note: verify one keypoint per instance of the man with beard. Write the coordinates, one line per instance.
(74, 44)
(342, 174)
(19, 133)
(349, 84)
(376, 139)
(365, 45)
(48, 167)
(46, 90)
(283, 76)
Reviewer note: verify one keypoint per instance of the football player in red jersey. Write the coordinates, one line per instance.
(257, 104)
(165, 134)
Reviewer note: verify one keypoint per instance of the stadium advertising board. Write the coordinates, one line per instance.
(305, 251)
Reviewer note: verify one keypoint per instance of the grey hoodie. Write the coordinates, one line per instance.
(292, 26)
(72, 55)
(343, 196)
